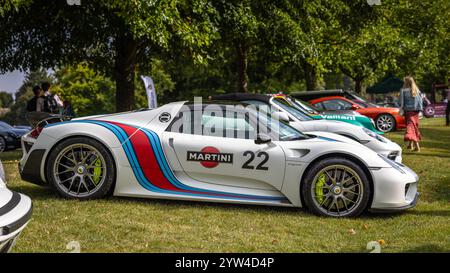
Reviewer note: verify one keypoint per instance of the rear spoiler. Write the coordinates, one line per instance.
(41, 119)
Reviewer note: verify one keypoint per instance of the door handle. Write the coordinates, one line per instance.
(171, 143)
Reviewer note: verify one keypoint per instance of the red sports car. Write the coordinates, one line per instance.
(386, 119)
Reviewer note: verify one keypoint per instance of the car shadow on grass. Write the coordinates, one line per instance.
(428, 248)
(287, 211)
(176, 204)
(35, 192)
(433, 155)
(40, 193)
(433, 213)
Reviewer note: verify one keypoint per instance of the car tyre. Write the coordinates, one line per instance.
(81, 168)
(385, 123)
(336, 187)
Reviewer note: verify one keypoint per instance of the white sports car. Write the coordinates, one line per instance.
(214, 152)
(15, 212)
(304, 123)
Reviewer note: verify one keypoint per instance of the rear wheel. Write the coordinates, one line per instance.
(385, 123)
(336, 187)
(81, 168)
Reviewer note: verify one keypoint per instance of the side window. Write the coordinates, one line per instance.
(345, 105)
(337, 105)
(213, 123)
(320, 106)
(331, 105)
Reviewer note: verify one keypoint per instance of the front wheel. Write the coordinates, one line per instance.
(385, 123)
(336, 187)
(81, 168)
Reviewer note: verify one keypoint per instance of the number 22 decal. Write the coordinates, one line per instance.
(261, 165)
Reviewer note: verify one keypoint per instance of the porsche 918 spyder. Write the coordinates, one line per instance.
(214, 152)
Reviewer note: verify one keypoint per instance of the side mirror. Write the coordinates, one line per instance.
(281, 116)
(262, 138)
(355, 107)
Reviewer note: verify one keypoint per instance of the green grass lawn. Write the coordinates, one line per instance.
(143, 225)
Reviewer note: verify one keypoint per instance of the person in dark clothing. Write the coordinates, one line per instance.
(68, 110)
(38, 102)
(54, 103)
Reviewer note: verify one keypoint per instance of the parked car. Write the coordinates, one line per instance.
(214, 152)
(353, 96)
(15, 213)
(386, 119)
(303, 122)
(348, 116)
(10, 136)
(311, 95)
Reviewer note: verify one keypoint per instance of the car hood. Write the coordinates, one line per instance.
(327, 126)
(323, 143)
(331, 137)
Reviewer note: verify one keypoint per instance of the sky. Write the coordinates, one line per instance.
(10, 82)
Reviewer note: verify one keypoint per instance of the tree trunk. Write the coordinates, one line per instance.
(125, 67)
(310, 77)
(358, 85)
(242, 65)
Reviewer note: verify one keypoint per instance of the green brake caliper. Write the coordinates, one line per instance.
(97, 171)
(319, 187)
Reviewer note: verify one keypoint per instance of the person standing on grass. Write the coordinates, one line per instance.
(411, 104)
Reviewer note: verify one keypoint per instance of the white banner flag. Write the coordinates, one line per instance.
(151, 92)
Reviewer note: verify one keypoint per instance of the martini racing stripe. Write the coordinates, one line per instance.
(161, 164)
(145, 155)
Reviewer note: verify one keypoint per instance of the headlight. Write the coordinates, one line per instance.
(374, 135)
(393, 163)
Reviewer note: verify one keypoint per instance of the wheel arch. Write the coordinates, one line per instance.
(102, 142)
(355, 159)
